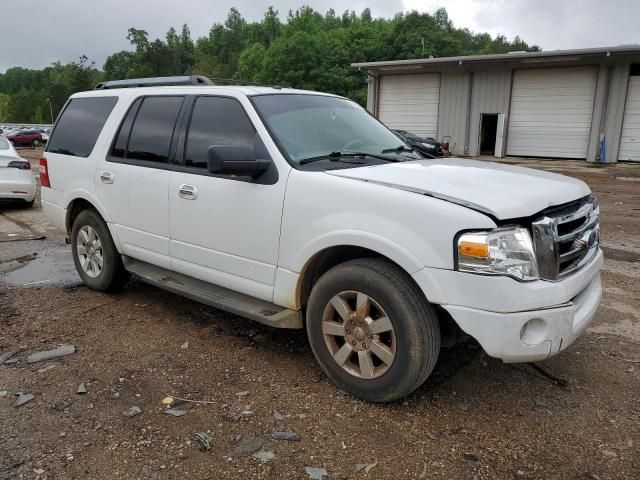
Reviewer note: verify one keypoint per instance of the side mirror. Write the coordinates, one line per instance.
(235, 160)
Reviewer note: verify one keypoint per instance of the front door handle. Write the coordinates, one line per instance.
(188, 192)
(107, 177)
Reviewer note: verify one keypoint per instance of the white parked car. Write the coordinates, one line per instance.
(16, 178)
(300, 210)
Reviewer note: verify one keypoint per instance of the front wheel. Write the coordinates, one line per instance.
(94, 254)
(372, 330)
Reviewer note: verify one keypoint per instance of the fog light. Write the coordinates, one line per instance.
(534, 332)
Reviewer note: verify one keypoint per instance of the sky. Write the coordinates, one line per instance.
(39, 32)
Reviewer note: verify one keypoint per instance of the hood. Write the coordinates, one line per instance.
(503, 191)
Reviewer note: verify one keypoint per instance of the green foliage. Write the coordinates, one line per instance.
(309, 50)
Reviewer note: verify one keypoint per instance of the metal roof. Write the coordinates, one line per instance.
(552, 55)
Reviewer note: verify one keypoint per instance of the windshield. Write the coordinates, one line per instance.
(308, 126)
(409, 135)
(4, 143)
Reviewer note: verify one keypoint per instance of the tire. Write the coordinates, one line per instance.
(87, 227)
(414, 338)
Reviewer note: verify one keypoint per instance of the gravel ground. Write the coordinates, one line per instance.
(474, 418)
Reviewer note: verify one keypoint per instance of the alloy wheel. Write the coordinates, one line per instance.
(89, 251)
(359, 334)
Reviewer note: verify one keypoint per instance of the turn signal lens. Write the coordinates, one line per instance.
(471, 249)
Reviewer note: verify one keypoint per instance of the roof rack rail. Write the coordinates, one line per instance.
(234, 81)
(154, 82)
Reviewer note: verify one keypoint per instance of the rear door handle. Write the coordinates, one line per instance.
(107, 177)
(188, 192)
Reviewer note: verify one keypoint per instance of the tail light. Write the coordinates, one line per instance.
(20, 165)
(44, 173)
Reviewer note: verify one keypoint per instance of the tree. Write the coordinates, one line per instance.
(308, 50)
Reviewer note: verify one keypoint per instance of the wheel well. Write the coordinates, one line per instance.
(330, 257)
(327, 259)
(74, 209)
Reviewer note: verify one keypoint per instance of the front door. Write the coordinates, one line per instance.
(224, 229)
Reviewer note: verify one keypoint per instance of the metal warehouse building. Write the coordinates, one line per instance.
(556, 104)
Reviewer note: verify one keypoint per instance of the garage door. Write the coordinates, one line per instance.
(551, 111)
(410, 102)
(630, 139)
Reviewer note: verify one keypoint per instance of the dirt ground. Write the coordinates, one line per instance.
(474, 418)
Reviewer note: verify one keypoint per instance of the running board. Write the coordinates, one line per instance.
(219, 297)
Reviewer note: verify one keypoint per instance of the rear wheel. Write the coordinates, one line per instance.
(35, 143)
(372, 330)
(94, 254)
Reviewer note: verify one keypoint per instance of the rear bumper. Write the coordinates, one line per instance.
(55, 214)
(522, 321)
(17, 189)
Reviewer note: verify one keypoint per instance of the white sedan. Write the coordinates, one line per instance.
(16, 177)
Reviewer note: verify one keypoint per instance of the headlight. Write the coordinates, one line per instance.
(503, 251)
(428, 145)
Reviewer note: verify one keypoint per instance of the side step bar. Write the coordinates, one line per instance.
(215, 296)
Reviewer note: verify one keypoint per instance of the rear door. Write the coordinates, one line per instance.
(133, 180)
(225, 229)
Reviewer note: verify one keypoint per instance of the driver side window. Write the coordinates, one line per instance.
(219, 121)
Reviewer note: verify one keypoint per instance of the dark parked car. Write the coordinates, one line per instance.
(425, 145)
(26, 137)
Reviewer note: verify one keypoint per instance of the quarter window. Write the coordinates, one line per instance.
(153, 128)
(80, 125)
(219, 121)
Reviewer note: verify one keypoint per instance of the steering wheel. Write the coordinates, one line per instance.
(351, 143)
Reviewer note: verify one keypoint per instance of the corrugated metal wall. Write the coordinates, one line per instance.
(454, 105)
(464, 95)
(490, 94)
(615, 109)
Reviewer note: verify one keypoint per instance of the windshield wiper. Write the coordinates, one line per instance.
(401, 148)
(337, 156)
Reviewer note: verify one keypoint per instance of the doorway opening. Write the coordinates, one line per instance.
(488, 132)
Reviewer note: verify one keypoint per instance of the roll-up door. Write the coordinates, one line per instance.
(551, 110)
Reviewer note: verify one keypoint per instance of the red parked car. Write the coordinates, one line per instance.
(26, 137)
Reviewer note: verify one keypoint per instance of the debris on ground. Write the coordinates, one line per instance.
(175, 412)
(278, 416)
(289, 436)
(59, 352)
(168, 401)
(6, 356)
(46, 368)
(470, 457)
(464, 406)
(81, 389)
(367, 467)
(264, 455)
(204, 440)
(316, 473)
(561, 382)
(244, 393)
(132, 412)
(247, 446)
(184, 346)
(23, 398)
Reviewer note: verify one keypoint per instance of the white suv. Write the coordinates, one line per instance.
(300, 210)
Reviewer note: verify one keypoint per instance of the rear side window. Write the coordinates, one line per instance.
(80, 125)
(120, 145)
(152, 129)
(217, 121)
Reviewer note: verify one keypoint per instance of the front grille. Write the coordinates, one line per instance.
(566, 239)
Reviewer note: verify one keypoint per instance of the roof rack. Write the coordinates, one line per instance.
(155, 82)
(233, 81)
(180, 80)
